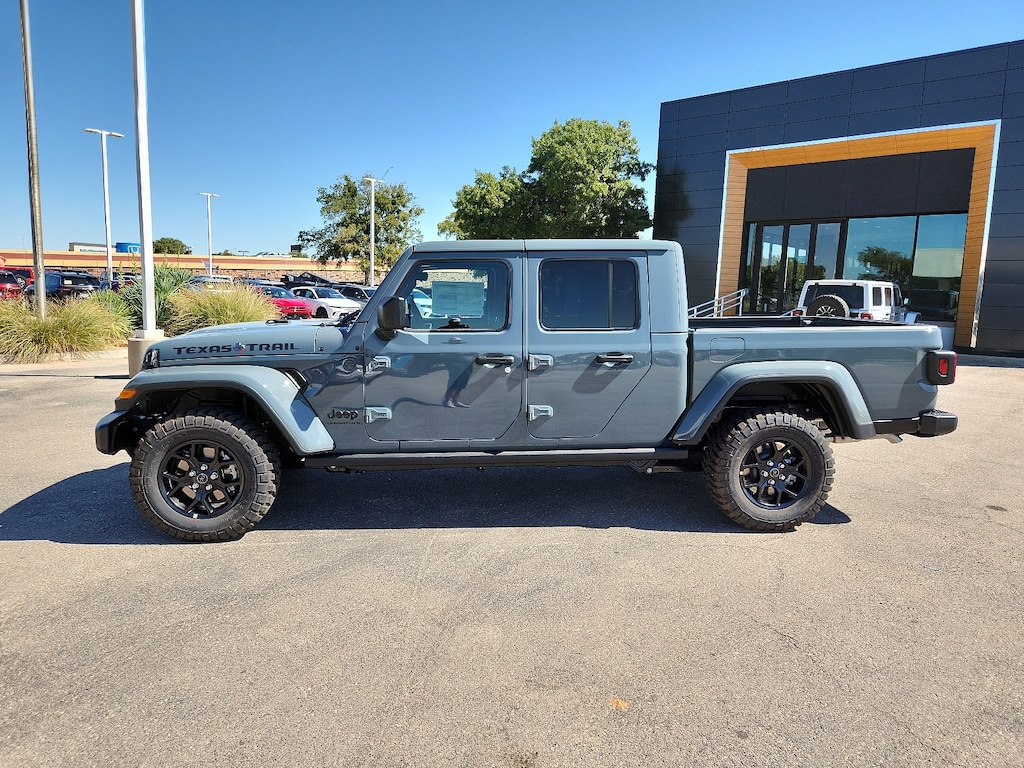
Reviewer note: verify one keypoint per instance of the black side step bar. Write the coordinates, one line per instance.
(645, 460)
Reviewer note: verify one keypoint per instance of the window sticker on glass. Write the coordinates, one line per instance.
(465, 299)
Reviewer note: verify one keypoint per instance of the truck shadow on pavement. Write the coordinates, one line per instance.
(96, 507)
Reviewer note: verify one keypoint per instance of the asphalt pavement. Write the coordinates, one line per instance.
(514, 618)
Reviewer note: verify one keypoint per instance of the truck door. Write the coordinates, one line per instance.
(588, 339)
(456, 373)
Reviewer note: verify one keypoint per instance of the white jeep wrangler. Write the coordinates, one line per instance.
(862, 299)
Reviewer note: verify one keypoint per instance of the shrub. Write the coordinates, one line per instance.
(115, 305)
(73, 326)
(166, 282)
(198, 309)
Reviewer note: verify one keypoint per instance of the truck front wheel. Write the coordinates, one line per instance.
(206, 474)
(768, 471)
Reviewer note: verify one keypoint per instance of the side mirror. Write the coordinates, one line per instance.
(392, 316)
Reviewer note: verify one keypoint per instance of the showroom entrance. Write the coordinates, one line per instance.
(781, 257)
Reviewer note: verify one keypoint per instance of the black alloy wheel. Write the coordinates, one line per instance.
(768, 471)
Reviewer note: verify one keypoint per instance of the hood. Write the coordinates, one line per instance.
(284, 302)
(240, 340)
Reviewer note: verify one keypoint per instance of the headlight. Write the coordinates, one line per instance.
(151, 359)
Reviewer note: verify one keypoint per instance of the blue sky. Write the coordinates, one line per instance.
(263, 102)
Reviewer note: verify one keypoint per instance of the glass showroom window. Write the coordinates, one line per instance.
(880, 249)
(938, 266)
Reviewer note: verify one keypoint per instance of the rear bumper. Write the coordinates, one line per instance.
(929, 424)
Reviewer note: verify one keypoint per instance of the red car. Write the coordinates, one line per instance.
(10, 287)
(288, 304)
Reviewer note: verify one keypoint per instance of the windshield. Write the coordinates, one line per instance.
(330, 293)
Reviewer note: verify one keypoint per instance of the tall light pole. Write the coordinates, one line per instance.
(35, 203)
(373, 214)
(209, 230)
(106, 196)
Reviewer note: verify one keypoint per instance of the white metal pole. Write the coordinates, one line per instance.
(373, 215)
(149, 328)
(106, 198)
(209, 232)
(373, 238)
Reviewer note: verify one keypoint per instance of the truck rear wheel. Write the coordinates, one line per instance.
(768, 471)
(207, 474)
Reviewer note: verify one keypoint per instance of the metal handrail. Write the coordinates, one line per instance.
(718, 306)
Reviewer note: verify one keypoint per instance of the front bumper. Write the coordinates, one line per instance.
(118, 431)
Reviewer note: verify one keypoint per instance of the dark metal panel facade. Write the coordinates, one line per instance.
(982, 84)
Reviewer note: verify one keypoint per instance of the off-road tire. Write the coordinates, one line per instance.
(206, 474)
(768, 471)
(829, 305)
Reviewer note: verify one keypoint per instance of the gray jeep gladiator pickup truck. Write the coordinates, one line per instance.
(537, 352)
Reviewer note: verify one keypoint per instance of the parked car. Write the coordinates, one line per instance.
(360, 293)
(10, 286)
(286, 302)
(120, 280)
(66, 285)
(291, 280)
(259, 281)
(211, 282)
(24, 275)
(862, 299)
(327, 302)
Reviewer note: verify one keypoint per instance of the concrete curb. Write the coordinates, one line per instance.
(65, 357)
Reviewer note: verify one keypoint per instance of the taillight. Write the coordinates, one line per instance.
(798, 313)
(865, 315)
(940, 367)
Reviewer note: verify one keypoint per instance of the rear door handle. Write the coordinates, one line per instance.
(495, 358)
(614, 358)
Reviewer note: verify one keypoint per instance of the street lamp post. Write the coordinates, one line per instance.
(209, 230)
(106, 197)
(373, 213)
(35, 199)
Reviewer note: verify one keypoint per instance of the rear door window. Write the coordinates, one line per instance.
(597, 294)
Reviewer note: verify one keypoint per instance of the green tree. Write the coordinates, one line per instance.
(884, 264)
(345, 235)
(170, 245)
(580, 183)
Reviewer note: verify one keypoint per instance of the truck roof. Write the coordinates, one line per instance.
(544, 245)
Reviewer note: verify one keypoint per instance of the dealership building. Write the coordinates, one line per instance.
(911, 171)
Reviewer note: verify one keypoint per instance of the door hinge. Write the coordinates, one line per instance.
(538, 361)
(376, 413)
(535, 412)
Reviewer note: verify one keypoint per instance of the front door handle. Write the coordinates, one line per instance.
(614, 358)
(495, 358)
